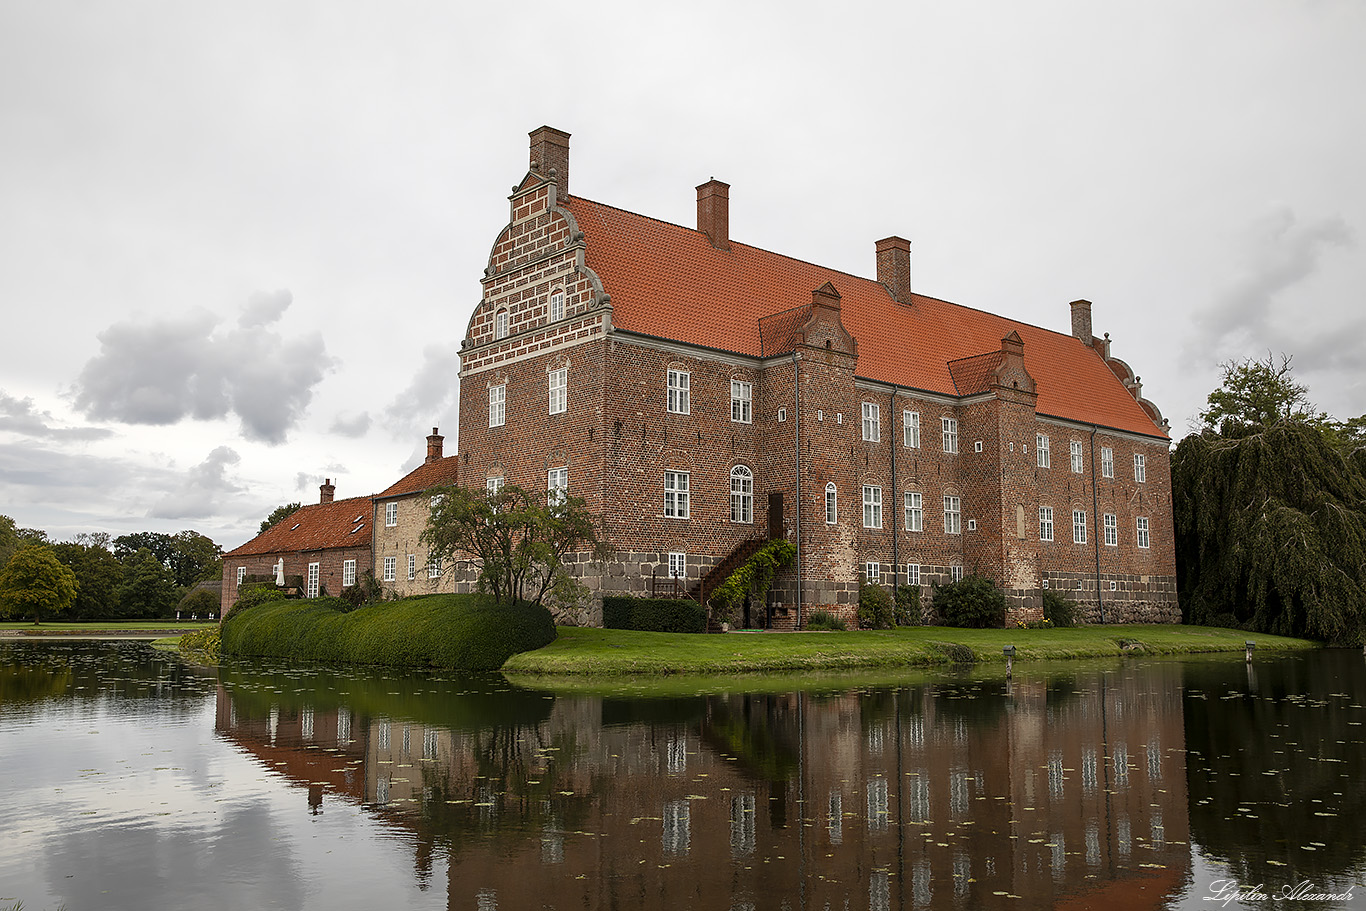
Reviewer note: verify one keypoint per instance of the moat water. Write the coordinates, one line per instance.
(130, 779)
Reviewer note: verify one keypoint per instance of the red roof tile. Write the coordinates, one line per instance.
(669, 281)
(321, 526)
(429, 474)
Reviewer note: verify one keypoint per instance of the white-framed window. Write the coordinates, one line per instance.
(1107, 462)
(1041, 457)
(782, 415)
(872, 571)
(559, 390)
(1142, 528)
(390, 568)
(915, 512)
(956, 572)
(953, 515)
(976, 445)
(348, 573)
(1045, 523)
(872, 506)
(872, 422)
(1078, 463)
(741, 495)
(391, 514)
(1078, 526)
(678, 566)
(676, 494)
(493, 485)
(497, 405)
(1111, 525)
(241, 574)
(1140, 468)
(912, 573)
(910, 429)
(557, 485)
(972, 524)
(434, 568)
(412, 567)
(831, 512)
(556, 305)
(679, 389)
(311, 586)
(500, 324)
(741, 401)
(949, 426)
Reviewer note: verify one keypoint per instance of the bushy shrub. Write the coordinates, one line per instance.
(205, 643)
(908, 605)
(874, 607)
(1059, 610)
(659, 615)
(252, 595)
(972, 602)
(200, 601)
(823, 619)
(464, 632)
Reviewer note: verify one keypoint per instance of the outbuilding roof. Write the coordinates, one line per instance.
(321, 526)
(668, 281)
(435, 473)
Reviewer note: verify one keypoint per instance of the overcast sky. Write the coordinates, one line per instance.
(240, 242)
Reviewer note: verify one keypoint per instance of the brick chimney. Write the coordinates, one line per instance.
(550, 156)
(1081, 321)
(713, 212)
(434, 445)
(325, 491)
(894, 267)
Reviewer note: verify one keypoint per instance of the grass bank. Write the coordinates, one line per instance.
(588, 652)
(464, 632)
(103, 629)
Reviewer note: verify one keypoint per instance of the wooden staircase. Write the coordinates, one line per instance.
(721, 571)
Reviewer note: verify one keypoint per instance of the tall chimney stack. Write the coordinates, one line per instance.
(894, 267)
(713, 212)
(1081, 320)
(434, 445)
(325, 490)
(550, 156)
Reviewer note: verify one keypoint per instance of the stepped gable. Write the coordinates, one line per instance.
(438, 473)
(340, 523)
(671, 282)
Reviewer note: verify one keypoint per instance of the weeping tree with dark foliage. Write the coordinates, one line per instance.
(1270, 512)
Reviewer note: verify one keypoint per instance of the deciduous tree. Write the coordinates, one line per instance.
(280, 512)
(34, 583)
(516, 541)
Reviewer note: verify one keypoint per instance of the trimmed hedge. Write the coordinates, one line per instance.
(460, 632)
(654, 615)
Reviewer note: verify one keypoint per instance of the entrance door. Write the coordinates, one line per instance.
(775, 515)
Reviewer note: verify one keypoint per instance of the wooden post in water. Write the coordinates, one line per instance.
(1009, 652)
(1250, 645)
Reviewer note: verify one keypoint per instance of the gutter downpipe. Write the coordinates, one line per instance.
(891, 435)
(1095, 513)
(797, 427)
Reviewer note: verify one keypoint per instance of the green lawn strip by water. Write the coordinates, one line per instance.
(100, 628)
(609, 653)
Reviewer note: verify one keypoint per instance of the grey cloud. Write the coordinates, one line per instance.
(1286, 252)
(264, 308)
(352, 426)
(432, 389)
(21, 417)
(198, 494)
(165, 371)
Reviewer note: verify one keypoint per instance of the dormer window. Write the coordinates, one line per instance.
(500, 324)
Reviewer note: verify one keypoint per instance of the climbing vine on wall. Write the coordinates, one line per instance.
(754, 576)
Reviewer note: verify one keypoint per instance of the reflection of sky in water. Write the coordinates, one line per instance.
(133, 784)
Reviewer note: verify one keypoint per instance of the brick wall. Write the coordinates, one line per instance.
(296, 564)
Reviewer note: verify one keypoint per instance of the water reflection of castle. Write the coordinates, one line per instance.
(1064, 793)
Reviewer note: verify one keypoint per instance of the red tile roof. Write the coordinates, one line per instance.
(429, 474)
(668, 281)
(321, 526)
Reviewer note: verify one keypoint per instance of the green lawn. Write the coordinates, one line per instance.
(98, 627)
(612, 653)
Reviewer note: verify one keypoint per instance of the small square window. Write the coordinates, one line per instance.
(972, 524)
(977, 446)
(1113, 585)
(782, 415)
(839, 417)
(1045, 583)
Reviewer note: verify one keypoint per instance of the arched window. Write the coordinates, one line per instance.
(500, 324)
(830, 511)
(741, 495)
